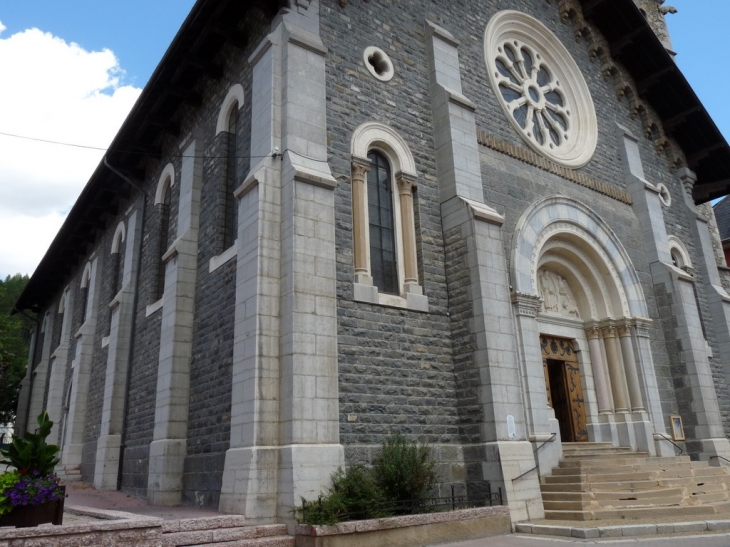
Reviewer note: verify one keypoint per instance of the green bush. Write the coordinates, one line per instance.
(30, 453)
(404, 470)
(403, 475)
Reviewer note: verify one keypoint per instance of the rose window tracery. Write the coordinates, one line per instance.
(533, 94)
(540, 88)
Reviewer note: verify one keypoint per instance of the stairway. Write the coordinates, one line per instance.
(599, 481)
(224, 531)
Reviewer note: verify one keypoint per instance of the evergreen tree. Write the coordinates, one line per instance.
(14, 339)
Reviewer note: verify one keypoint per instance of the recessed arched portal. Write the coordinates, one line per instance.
(586, 294)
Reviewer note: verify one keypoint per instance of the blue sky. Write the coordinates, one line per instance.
(137, 31)
(94, 56)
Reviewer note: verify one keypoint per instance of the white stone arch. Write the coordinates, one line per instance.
(62, 303)
(557, 219)
(118, 238)
(376, 136)
(86, 275)
(234, 99)
(167, 180)
(679, 252)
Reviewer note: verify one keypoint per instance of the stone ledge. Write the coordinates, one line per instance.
(623, 530)
(411, 530)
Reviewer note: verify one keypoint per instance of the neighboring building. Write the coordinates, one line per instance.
(473, 223)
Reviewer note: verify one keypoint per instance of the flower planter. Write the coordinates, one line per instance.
(27, 516)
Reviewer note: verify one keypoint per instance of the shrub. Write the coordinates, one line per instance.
(404, 470)
(403, 476)
(354, 495)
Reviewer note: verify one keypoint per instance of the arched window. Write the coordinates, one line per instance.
(383, 254)
(231, 210)
(383, 218)
(85, 278)
(229, 123)
(163, 200)
(117, 260)
(164, 212)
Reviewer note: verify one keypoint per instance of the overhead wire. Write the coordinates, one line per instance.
(150, 154)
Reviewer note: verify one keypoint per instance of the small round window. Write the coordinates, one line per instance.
(378, 63)
(540, 88)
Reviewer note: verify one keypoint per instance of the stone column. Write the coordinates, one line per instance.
(406, 184)
(85, 346)
(108, 446)
(504, 452)
(169, 445)
(632, 378)
(21, 416)
(59, 362)
(360, 168)
(599, 373)
(618, 380)
(541, 422)
(40, 374)
(250, 473)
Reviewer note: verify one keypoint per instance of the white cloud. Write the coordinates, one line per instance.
(57, 91)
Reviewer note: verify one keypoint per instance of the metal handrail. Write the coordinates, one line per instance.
(551, 439)
(661, 436)
(728, 461)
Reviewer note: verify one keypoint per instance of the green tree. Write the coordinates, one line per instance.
(14, 339)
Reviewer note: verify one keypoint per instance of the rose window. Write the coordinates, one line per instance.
(533, 95)
(540, 88)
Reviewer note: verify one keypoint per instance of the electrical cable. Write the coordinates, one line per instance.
(151, 154)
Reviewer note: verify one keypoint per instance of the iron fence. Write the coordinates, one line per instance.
(486, 498)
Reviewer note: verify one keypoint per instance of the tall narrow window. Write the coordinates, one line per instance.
(164, 209)
(231, 214)
(383, 265)
(84, 301)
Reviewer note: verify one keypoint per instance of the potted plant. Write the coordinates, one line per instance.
(30, 494)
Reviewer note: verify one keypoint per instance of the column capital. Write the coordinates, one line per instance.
(624, 330)
(609, 331)
(642, 325)
(526, 304)
(360, 166)
(406, 182)
(593, 333)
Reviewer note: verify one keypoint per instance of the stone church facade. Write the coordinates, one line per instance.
(478, 224)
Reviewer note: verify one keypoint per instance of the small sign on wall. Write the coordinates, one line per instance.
(675, 420)
(511, 430)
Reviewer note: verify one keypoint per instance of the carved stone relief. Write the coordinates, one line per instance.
(557, 295)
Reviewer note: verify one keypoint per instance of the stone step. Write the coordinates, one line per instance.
(215, 536)
(678, 461)
(609, 504)
(203, 523)
(634, 513)
(619, 452)
(627, 458)
(710, 497)
(274, 541)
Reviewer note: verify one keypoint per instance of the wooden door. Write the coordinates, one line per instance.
(564, 388)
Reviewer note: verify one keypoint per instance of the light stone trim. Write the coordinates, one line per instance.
(234, 98)
(374, 136)
(167, 179)
(74, 421)
(152, 308)
(108, 448)
(664, 196)
(578, 140)
(40, 374)
(86, 275)
(558, 215)
(384, 71)
(58, 364)
(168, 448)
(218, 260)
(118, 238)
(675, 244)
